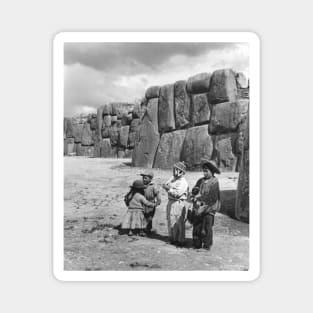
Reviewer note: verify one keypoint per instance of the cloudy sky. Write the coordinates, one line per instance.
(97, 73)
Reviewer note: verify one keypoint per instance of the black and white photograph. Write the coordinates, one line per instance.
(156, 158)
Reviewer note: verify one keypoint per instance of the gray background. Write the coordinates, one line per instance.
(27, 29)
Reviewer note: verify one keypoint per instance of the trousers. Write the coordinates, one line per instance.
(202, 233)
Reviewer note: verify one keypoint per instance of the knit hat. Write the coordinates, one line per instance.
(181, 166)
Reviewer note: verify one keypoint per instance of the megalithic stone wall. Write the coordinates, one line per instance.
(109, 133)
(147, 136)
(204, 115)
(212, 111)
(242, 197)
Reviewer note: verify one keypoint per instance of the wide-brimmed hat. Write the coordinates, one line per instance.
(211, 165)
(138, 184)
(181, 166)
(147, 173)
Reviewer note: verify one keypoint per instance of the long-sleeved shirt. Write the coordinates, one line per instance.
(152, 193)
(138, 201)
(209, 191)
(178, 188)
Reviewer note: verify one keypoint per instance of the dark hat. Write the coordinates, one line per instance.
(147, 173)
(181, 166)
(211, 165)
(138, 184)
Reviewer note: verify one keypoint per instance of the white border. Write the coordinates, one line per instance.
(58, 165)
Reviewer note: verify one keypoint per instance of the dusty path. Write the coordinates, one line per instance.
(93, 204)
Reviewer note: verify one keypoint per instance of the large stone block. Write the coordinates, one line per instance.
(93, 123)
(169, 149)
(134, 125)
(199, 83)
(99, 123)
(107, 120)
(87, 135)
(128, 153)
(118, 108)
(124, 119)
(107, 109)
(97, 149)
(243, 198)
(197, 145)
(78, 132)
(244, 131)
(120, 154)
(64, 146)
(143, 108)
(136, 111)
(151, 113)
(129, 118)
(69, 146)
(93, 137)
(242, 80)
(147, 138)
(224, 151)
(200, 109)
(118, 123)
(86, 151)
(166, 109)
(78, 149)
(123, 136)
(106, 150)
(106, 132)
(181, 104)
(223, 86)
(227, 117)
(243, 190)
(114, 134)
(131, 140)
(89, 151)
(68, 127)
(153, 92)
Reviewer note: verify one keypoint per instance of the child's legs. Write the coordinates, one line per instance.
(149, 225)
(196, 234)
(208, 224)
(127, 221)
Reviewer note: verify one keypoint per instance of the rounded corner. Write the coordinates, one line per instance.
(254, 275)
(254, 37)
(58, 38)
(57, 275)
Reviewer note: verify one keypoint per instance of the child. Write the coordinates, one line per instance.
(152, 193)
(134, 220)
(206, 201)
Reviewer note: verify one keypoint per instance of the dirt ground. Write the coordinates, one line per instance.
(93, 205)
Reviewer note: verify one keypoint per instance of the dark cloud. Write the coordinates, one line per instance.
(133, 57)
(98, 73)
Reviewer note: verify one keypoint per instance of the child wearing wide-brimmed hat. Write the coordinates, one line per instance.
(134, 220)
(206, 202)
